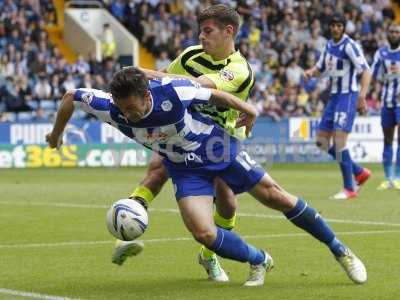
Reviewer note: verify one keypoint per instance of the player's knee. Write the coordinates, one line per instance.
(323, 142)
(205, 236)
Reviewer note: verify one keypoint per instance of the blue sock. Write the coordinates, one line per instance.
(308, 219)
(229, 245)
(388, 160)
(398, 162)
(346, 167)
(357, 169)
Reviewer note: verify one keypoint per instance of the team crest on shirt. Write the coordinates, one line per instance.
(166, 105)
(87, 98)
(226, 75)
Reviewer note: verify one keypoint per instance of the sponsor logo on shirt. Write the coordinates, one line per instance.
(87, 98)
(226, 75)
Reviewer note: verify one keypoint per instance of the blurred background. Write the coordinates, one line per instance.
(50, 46)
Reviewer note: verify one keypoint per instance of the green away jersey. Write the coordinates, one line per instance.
(232, 75)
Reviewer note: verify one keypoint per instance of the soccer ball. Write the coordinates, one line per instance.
(127, 219)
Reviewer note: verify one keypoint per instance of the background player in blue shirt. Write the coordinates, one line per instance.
(386, 68)
(196, 151)
(342, 60)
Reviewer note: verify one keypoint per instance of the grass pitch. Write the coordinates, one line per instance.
(53, 240)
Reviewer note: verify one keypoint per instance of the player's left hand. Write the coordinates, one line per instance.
(361, 106)
(53, 141)
(247, 120)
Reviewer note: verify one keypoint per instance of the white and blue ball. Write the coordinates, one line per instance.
(127, 219)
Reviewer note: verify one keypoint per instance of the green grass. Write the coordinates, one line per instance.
(33, 210)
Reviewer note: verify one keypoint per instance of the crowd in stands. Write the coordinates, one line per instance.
(33, 73)
(279, 38)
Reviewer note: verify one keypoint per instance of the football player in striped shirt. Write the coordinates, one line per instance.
(160, 115)
(386, 68)
(342, 60)
(214, 64)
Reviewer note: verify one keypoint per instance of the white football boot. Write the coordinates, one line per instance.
(125, 249)
(353, 266)
(257, 272)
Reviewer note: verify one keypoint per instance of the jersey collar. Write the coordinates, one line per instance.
(341, 40)
(393, 50)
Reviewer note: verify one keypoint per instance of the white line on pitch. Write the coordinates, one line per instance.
(178, 239)
(174, 210)
(32, 295)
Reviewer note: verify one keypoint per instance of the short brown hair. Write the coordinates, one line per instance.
(129, 82)
(221, 14)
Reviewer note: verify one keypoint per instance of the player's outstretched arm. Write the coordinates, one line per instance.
(64, 113)
(248, 113)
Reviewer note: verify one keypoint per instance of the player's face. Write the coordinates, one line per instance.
(394, 35)
(337, 30)
(212, 37)
(134, 108)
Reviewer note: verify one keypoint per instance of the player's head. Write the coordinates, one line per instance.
(337, 26)
(394, 35)
(130, 91)
(219, 25)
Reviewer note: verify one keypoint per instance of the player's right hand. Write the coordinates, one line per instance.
(362, 106)
(54, 141)
(246, 120)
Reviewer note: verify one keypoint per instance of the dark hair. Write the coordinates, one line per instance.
(129, 82)
(338, 18)
(221, 14)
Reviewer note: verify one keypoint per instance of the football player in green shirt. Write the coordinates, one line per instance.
(214, 64)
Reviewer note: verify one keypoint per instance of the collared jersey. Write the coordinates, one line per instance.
(341, 62)
(233, 75)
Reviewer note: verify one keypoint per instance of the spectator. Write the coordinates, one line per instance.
(99, 83)
(68, 84)
(109, 68)
(13, 95)
(42, 89)
(56, 90)
(81, 67)
(108, 45)
(95, 65)
(162, 62)
(279, 38)
(86, 82)
(294, 73)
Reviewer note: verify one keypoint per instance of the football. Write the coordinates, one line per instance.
(127, 219)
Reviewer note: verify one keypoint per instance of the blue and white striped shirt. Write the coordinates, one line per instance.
(341, 62)
(386, 68)
(171, 127)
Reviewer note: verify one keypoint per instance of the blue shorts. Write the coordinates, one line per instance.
(339, 113)
(240, 175)
(390, 117)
